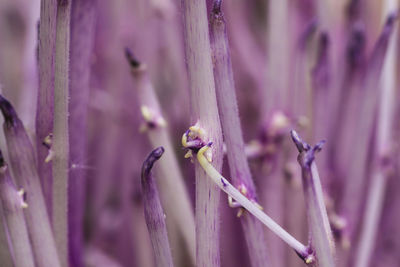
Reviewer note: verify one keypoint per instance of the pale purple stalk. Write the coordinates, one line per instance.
(60, 144)
(356, 167)
(227, 103)
(205, 112)
(139, 233)
(299, 84)
(382, 167)
(320, 231)
(346, 100)
(249, 53)
(5, 255)
(320, 80)
(174, 196)
(22, 159)
(82, 35)
(277, 92)
(95, 257)
(45, 100)
(12, 204)
(154, 212)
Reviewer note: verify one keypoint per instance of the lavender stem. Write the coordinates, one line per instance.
(278, 56)
(204, 111)
(154, 213)
(60, 130)
(23, 164)
(356, 171)
(174, 196)
(227, 103)
(321, 234)
(377, 189)
(12, 204)
(45, 100)
(82, 35)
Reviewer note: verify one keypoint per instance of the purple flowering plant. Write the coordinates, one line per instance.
(199, 133)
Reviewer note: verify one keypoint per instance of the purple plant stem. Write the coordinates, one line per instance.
(250, 55)
(82, 34)
(347, 98)
(382, 168)
(204, 111)
(154, 212)
(278, 56)
(320, 77)
(60, 144)
(356, 167)
(143, 250)
(45, 100)
(5, 255)
(299, 85)
(13, 215)
(174, 196)
(227, 103)
(94, 257)
(320, 231)
(23, 164)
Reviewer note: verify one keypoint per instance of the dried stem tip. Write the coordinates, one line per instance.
(10, 116)
(149, 162)
(132, 60)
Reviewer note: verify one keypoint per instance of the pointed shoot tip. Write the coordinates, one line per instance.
(300, 144)
(10, 116)
(149, 162)
(133, 61)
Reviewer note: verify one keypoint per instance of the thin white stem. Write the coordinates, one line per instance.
(251, 207)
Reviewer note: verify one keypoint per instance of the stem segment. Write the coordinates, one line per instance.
(249, 205)
(205, 112)
(12, 204)
(227, 103)
(82, 35)
(320, 230)
(154, 213)
(45, 101)
(60, 130)
(174, 196)
(23, 164)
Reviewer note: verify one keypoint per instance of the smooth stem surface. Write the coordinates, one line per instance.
(12, 208)
(60, 131)
(377, 189)
(174, 196)
(250, 206)
(23, 163)
(154, 213)
(228, 109)
(82, 35)
(45, 100)
(276, 94)
(321, 233)
(204, 111)
(358, 150)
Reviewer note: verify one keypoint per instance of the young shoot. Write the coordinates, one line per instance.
(194, 140)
